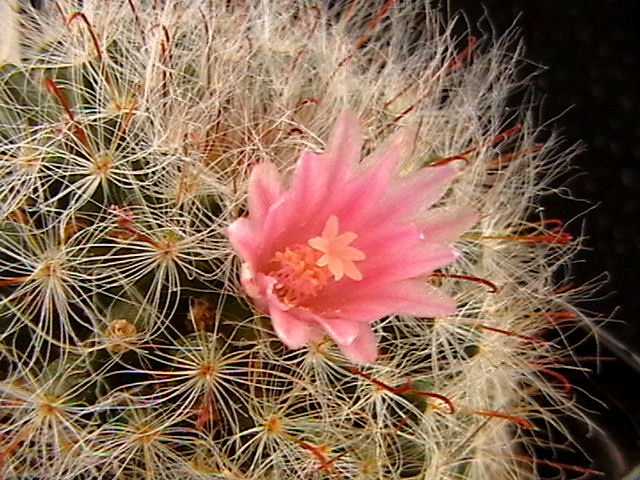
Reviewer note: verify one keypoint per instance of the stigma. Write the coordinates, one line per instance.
(338, 255)
(303, 270)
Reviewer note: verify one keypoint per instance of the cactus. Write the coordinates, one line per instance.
(128, 346)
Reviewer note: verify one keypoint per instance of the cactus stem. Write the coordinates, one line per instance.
(554, 235)
(94, 37)
(209, 412)
(305, 102)
(320, 452)
(166, 60)
(15, 443)
(300, 53)
(364, 38)
(125, 223)
(562, 237)
(61, 13)
(126, 106)
(396, 119)
(96, 44)
(273, 425)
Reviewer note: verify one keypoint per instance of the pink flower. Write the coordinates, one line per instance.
(348, 242)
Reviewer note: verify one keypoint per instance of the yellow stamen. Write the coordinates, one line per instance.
(302, 271)
(299, 277)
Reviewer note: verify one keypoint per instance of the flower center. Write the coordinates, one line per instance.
(303, 270)
(339, 255)
(298, 275)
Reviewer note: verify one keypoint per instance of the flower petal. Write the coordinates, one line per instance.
(388, 237)
(410, 297)
(242, 236)
(264, 190)
(395, 149)
(341, 241)
(417, 191)
(343, 331)
(330, 228)
(293, 332)
(442, 225)
(412, 262)
(319, 243)
(363, 348)
(367, 188)
(277, 230)
(309, 186)
(336, 200)
(345, 142)
(334, 265)
(351, 253)
(318, 177)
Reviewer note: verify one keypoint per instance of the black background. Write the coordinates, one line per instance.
(592, 64)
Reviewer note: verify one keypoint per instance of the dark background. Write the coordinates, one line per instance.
(591, 59)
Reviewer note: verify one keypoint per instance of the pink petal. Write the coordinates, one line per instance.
(351, 253)
(397, 147)
(264, 190)
(417, 191)
(309, 186)
(324, 260)
(278, 231)
(334, 265)
(320, 179)
(312, 195)
(442, 225)
(251, 286)
(293, 332)
(345, 142)
(365, 191)
(319, 243)
(342, 331)
(319, 176)
(418, 260)
(363, 349)
(341, 241)
(419, 298)
(386, 237)
(242, 235)
(336, 200)
(410, 297)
